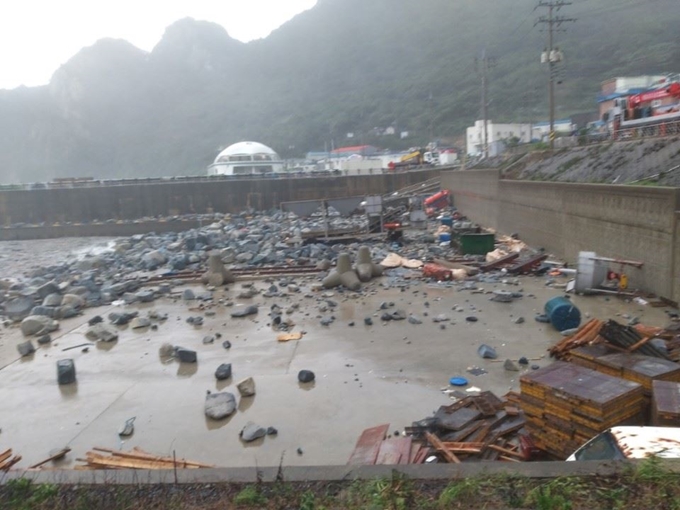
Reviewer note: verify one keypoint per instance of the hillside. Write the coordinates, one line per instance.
(344, 66)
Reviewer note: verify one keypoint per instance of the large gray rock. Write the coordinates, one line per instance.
(246, 387)
(52, 300)
(102, 332)
(73, 300)
(38, 325)
(19, 308)
(154, 259)
(219, 405)
(47, 289)
(66, 312)
(251, 432)
(140, 322)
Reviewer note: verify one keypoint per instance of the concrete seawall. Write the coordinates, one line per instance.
(627, 222)
(134, 201)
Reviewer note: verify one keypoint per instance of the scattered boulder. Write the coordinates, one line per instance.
(251, 432)
(102, 332)
(66, 371)
(121, 319)
(52, 300)
(226, 344)
(38, 325)
(19, 308)
(26, 348)
(223, 372)
(510, 366)
(188, 295)
(208, 339)
(44, 340)
(185, 355)
(47, 289)
(245, 311)
(166, 350)
(306, 376)
(219, 405)
(246, 387)
(413, 319)
(140, 322)
(487, 352)
(73, 300)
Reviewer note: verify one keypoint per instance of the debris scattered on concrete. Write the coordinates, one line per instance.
(26, 348)
(66, 371)
(185, 355)
(127, 428)
(251, 432)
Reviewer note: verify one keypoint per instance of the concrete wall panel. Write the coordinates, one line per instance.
(628, 222)
(130, 202)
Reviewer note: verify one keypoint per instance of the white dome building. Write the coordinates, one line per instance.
(246, 158)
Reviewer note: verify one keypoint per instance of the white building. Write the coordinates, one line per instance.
(495, 133)
(541, 130)
(246, 158)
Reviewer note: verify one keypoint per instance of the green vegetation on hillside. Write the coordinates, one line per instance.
(345, 66)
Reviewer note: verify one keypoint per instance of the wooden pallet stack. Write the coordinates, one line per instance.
(481, 427)
(665, 404)
(105, 458)
(7, 460)
(567, 404)
(632, 367)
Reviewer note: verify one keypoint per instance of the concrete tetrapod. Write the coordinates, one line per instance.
(217, 274)
(365, 267)
(343, 274)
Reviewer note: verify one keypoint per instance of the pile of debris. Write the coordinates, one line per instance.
(475, 428)
(650, 341)
(135, 459)
(7, 460)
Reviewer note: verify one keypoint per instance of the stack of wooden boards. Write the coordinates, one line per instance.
(7, 460)
(481, 427)
(665, 404)
(105, 458)
(622, 339)
(567, 404)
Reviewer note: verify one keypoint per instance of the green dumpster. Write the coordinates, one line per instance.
(476, 244)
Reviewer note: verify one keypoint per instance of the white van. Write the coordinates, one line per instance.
(620, 443)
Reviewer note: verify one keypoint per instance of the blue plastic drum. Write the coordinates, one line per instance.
(562, 313)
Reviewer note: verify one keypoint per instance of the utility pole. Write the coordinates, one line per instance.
(482, 66)
(552, 55)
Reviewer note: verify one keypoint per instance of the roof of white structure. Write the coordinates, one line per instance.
(247, 148)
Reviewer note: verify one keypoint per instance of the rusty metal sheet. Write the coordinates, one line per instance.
(368, 446)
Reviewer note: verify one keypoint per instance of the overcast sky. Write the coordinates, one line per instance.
(37, 36)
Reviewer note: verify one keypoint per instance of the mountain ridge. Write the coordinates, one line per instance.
(343, 66)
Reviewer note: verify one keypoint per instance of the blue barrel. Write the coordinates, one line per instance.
(447, 220)
(444, 237)
(562, 313)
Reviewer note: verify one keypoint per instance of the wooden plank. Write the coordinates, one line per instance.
(422, 455)
(488, 266)
(8, 464)
(393, 450)
(413, 454)
(639, 344)
(101, 460)
(505, 451)
(57, 455)
(5, 455)
(138, 453)
(437, 445)
(368, 446)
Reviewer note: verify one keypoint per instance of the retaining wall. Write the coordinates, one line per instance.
(134, 201)
(627, 222)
